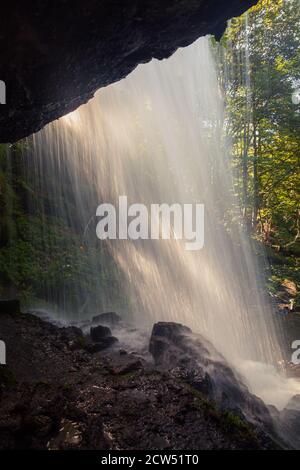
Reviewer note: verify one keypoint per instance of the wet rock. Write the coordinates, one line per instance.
(103, 343)
(192, 358)
(39, 426)
(127, 368)
(287, 422)
(107, 318)
(71, 332)
(72, 337)
(74, 345)
(163, 341)
(96, 437)
(294, 403)
(66, 399)
(68, 437)
(99, 332)
(161, 443)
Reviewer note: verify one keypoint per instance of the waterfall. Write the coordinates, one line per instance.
(157, 137)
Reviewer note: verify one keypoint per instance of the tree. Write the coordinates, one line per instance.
(260, 74)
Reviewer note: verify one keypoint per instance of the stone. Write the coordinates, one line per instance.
(288, 421)
(107, 318)
(127, 368)
(40, 425)
(48, 404)
(294, 403)
(102, 344)
(70, 333)
(68, 437)
(192, 358)
(99, 332)
(72, 337)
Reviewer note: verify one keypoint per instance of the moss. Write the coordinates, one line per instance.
(42, 383)
(233, 423)
(226, 420)
(128, 375)
(82, 342)
(152, 374)
(67, 387)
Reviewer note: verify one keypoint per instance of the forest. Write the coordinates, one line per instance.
(259, 61)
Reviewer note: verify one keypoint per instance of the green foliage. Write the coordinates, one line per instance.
(260, 71)
(43, 260)
(226, 420)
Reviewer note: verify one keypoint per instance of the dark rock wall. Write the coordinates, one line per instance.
(56, 54)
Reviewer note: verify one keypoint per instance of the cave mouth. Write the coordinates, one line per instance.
(53, 61)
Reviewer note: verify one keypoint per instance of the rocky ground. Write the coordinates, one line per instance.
(62, 389)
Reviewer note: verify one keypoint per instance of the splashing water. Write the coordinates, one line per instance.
(157, 136)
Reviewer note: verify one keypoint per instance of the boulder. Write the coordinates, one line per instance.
(294, 403)
(99, 332)
(107, 318)
(128, 367)
(287, 422)
(70, 333)
(102, 344)
(173, 344)
(72, 337)
(192, 358)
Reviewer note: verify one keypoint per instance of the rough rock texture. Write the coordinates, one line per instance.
(101, 344)
(99, 332)
(56, 54)
(194, 359)
(287, 421)
(55, 396)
